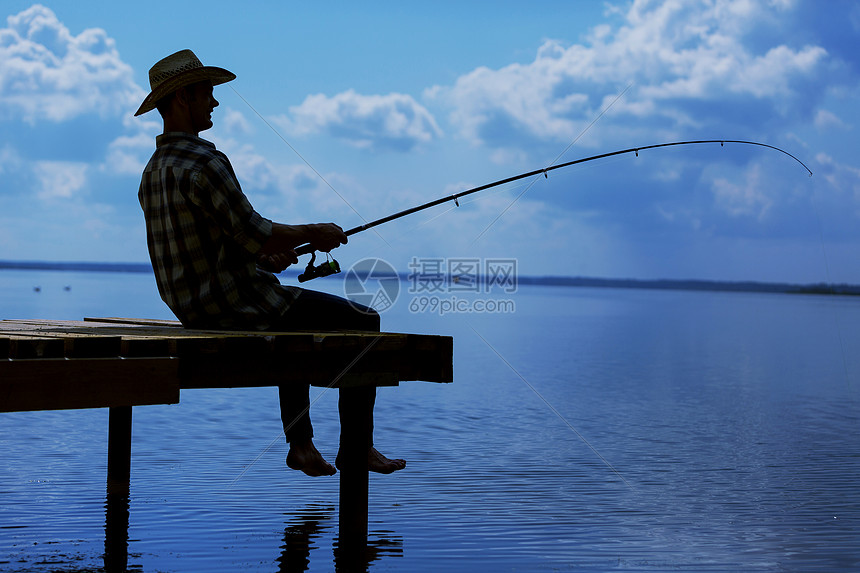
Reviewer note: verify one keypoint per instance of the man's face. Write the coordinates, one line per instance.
(201, 103)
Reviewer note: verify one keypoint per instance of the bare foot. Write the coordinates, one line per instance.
(306, 458)
(378, 463)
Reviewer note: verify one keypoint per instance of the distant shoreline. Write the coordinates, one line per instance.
(697, 285)
(77, 266)
(653, 284)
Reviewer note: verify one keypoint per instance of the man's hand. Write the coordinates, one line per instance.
(286, 238)
(277, 262)
(325, 236)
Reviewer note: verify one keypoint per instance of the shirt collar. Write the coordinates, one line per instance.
(176, 136)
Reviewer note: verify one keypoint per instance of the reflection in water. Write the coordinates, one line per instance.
(379, 544)
(116, 532)
(304, 530)
(299, 536)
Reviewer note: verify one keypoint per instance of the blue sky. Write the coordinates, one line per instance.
(398, 103)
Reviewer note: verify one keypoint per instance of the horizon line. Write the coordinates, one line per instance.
(821, 287)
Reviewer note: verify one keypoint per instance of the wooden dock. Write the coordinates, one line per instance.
(120, 363)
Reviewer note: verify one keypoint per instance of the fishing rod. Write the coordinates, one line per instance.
(331, 266)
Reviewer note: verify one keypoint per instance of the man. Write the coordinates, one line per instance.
(214, 255)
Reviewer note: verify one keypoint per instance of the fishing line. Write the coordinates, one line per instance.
(411, 230)
(593, 121)
(300, 156)
(535, 180)
(459, 204)
(830, 285)
(551, 407)
(473, 200)
(501, 190)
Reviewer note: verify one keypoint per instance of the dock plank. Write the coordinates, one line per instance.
(63, 384)
(138, 321)
(24, 346)
(232, 358)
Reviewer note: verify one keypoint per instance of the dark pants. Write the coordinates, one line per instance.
(321, 312)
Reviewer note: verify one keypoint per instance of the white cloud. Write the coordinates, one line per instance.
(256, 172)
(59, 179)
(393, 121)
(128, 154)
(747, 198)
(9, 158)
(284, 192)
(235, 122)
(48, 73)
(826, 120)
(100, 221)
(843, 178)
(679, 55)
(504, 156)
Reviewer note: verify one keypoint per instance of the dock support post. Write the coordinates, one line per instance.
(119, 450)
(356, 438)
(116, 532)
(118, 478)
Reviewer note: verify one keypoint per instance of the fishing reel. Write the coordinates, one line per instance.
(324, 269)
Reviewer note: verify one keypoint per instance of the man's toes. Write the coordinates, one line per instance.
(380, 464)
(377, 463)
(314, 467)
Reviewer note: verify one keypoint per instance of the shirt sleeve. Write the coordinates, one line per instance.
(215, 189)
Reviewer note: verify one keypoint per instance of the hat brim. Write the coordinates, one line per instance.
(216, 75)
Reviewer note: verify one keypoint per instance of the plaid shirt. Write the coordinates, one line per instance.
(204, 236)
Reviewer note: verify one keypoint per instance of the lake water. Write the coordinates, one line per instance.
(589, 430)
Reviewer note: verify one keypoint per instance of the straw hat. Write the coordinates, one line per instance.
(178, 70)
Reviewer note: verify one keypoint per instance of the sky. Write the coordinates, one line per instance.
(352, 111)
